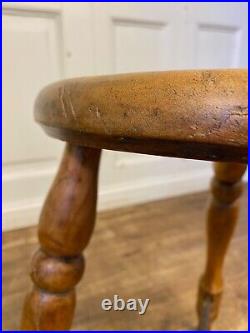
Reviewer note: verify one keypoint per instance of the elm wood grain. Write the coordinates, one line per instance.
(221, 221)
(153, 244)
(66, 224)
(193, 114)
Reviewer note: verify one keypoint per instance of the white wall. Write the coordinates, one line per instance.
(43, 42)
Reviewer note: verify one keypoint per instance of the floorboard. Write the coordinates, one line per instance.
(154, 250)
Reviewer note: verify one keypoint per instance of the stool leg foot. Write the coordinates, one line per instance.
(221, 220)
(66, 224)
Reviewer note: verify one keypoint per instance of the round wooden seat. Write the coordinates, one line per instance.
(192, 114)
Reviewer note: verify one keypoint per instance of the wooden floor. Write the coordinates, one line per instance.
(153, 251)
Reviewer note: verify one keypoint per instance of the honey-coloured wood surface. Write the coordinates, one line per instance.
(222, 217)
(155, 250)
(193, 114)
(66, 223)
(200, 114)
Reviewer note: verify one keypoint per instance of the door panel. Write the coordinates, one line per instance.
(30, 61)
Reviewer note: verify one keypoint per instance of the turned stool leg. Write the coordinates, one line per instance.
(221, 220)
(66, 224)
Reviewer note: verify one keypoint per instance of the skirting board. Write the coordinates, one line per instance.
(27, 213)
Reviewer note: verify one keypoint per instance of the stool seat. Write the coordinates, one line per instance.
(201, 114)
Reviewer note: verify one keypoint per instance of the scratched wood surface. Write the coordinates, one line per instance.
(155, 251)
(200, 114)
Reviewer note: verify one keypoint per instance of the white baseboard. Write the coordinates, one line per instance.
(153, 189)
(25, 214)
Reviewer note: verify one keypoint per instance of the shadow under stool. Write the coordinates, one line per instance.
(199, 115)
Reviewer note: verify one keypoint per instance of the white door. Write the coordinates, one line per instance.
(43, 42)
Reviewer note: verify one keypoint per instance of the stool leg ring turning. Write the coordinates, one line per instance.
(221, 220)
(65, 227)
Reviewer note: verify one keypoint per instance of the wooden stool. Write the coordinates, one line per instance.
(189, 114)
